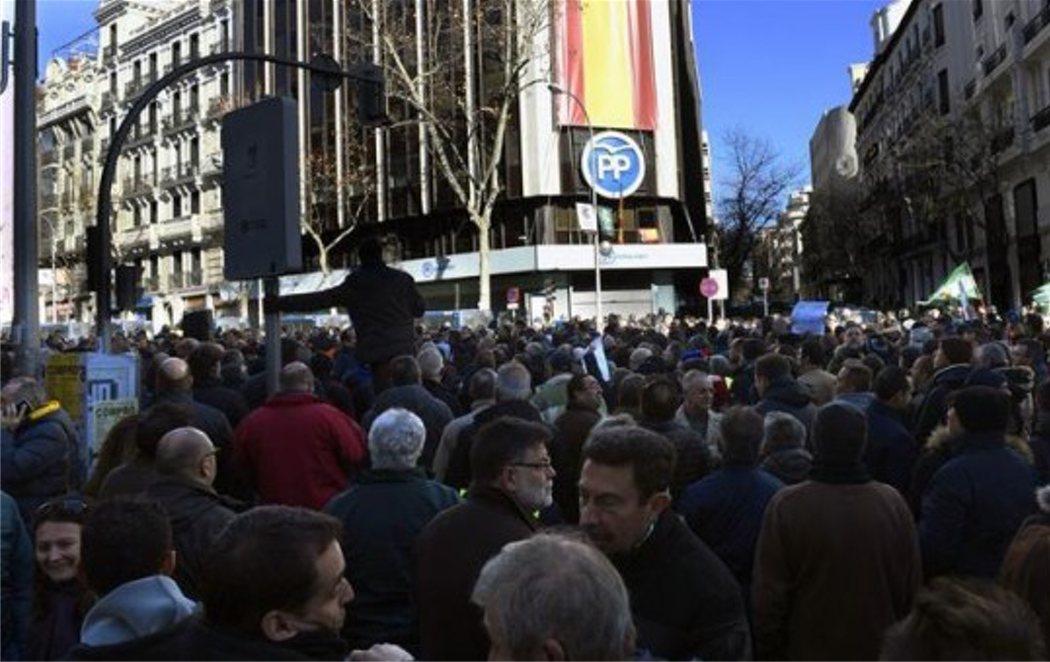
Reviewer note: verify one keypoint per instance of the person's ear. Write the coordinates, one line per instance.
(552, 650)
(660, 501)
(167, 566)
(277, 625)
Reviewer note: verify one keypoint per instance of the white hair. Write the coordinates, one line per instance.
(395, 440)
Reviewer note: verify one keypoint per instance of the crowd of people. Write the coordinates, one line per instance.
(661, 489)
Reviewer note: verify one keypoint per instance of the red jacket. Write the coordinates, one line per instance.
(298, 450)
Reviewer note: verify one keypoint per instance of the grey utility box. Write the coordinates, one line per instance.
(260, 190)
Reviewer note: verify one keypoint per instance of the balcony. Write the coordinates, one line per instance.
(108, 99)
(135, 187)
(212, 221)
(212, 167)
(136, 86)
(109, 53)
(140, 137)
(69, 152)
(1041, 119)
(176, 228)
(969, 90)
(178, 174)
(220, 46)
(1002, 140)
(48, 201)
(989, 64)
(184, 279)
(1036, 25)
(181, 119)
(49, 157)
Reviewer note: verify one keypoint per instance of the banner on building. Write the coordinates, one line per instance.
(605, 58)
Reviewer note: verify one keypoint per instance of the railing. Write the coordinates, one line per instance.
(1041, 119)
(48, 200)
(48, 157)
(177, 174)
(184, 279)
(1035, 26)
(180, 119)
(108, 98)
(69, 151)
(140, 137)
(137, 186)
(970, 88)
(1002, 139)
(132, 89)
(151, 283)
(998, 56)
(108, 54)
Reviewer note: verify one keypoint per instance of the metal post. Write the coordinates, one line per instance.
(273, 337)
(765, 303)
(24, 230)
(710, 311)
(557, 89)
(54, 278)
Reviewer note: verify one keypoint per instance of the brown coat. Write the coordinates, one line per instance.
(1026, 568)
(836, 565)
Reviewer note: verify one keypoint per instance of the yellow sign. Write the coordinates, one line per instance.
(64, 379)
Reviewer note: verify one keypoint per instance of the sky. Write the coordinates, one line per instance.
(767, 67)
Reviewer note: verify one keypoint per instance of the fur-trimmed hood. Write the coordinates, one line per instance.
(940, 437)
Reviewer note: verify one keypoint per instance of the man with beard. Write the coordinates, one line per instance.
(684, 600)
(512, 479)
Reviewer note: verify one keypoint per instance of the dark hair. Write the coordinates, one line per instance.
(482, 384)
(404, 371)
(660, 399)
(124, 540)
(68, 509)
(501, 442)
(120, 446)
(650, 455)
(264, 559)
(629, 393)
(752, 348)
(890, 381)
(856, 376)
(576, 384)
(370, 251)
(981, 408)
(965, 619)
(773, 367)
(957, 350)
(203, 359)
(157, 421)
(742, 430)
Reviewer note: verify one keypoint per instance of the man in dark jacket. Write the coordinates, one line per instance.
(725, 509)
(978, 499)
(382, 513)
(692, 459)
(383, 304)
(779, 391)
(204, 362)
(837, 560)
(512, 477)
(132, 478)
(187, 465)
(1039, 441)
(952, 361)
(746, 351)
(892, 451)
(407, 392)
(41, 454)
(684, 600)
(570, 432)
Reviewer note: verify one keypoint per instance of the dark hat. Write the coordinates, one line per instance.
(840, 432)
(561, 360)
(982, 409)
(985, 377)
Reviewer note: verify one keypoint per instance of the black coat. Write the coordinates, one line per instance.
(194, 639)
(451, 551)
(684, 600)
(214, 423)
(891, 451)
(458, 474)
(382, 514)
(692, 456)
(197, 517)
(570, 431)
(229, 401)
(932, 408)
(788, 396)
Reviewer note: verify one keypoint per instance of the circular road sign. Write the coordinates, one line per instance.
(613, 164)
(709, 287)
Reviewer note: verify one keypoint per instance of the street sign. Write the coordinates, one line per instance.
(513, 295)
(709, 287)
(721, 279)
(613, 164)
(586, 217)
(763, 284)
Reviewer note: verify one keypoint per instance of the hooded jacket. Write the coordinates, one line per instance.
(1025, 568)
(42, 459)
(932, 408)
(790, 397)
(136, 609)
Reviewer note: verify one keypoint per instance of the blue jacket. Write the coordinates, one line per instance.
(16, 580)
(725, 510)
(790, 397)
(891, 452)
(134, 610)
(974, 506)
(41, 460)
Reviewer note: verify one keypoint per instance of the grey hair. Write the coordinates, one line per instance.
(638, 357)
(395, 439)
(693, 379)
(556, 586)
(430, 362)
(992, 355)
(296, 378)
(782, 430)
(28, 389)
(513, 382)
(720, 365)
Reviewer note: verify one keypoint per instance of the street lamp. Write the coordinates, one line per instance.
(557, 89)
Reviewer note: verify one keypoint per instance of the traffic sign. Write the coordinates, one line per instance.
(513, 295)
(763, 284)
(586, 217)
(709, 287)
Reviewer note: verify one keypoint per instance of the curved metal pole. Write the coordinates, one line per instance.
(361, 72)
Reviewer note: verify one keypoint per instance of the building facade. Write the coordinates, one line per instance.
(167, 200)
(983, 67)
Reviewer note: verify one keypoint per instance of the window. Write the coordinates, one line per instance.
(1008, 22)
(153, 212)
(176, 206)
(113, 38)
(195, 46)
(938, 26)
(153, 66)
(944, 104)
(113, 82)
(195, 202)
(224, 34)
(176, 54)
(224, 83)
(978, 9)
(176, 262)
(137, 71)
(195, 151)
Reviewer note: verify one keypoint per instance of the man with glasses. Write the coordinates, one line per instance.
(685, 602)
(512, 478)
(188, 464)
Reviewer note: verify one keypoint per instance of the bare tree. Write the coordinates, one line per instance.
(327, 189)
(756, 188)
(464, 112)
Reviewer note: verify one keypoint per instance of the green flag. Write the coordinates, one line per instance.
(958, 287)
(1041, 295)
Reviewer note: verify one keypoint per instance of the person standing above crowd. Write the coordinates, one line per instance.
(297, 450)
(383, 304)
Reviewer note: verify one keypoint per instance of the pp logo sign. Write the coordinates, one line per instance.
(613, 164)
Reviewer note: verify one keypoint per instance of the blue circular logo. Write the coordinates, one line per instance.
(613, 164)
(429, 268)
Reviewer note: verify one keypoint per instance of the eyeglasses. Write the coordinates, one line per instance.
(71, 506)
(543, 466)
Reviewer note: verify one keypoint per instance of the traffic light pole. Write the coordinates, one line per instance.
(362, 73)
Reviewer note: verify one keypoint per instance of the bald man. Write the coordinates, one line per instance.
(297, 449)
(175, 386)
(187, 463)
